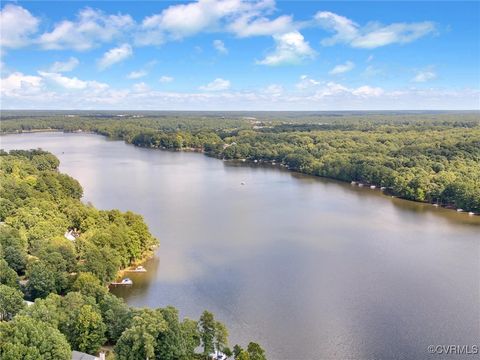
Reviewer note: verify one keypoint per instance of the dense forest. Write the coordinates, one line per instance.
(67, 278)
(427, 157)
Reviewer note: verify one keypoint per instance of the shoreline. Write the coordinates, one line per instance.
(262, 163)
(147, 256)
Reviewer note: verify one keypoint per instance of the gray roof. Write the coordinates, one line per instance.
(77, 355)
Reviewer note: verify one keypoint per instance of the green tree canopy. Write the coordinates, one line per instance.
(8, 276)
(138, 342)
(207, 326)
(11, 302)
(30, 339)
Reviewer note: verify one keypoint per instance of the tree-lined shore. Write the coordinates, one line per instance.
(432, 157)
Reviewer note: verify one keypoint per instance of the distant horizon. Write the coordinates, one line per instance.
(245, 111)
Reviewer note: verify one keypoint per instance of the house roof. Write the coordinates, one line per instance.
(77, 355)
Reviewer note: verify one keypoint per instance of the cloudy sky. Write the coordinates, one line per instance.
(240, 55)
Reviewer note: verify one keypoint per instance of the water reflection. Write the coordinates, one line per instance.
(142, 281)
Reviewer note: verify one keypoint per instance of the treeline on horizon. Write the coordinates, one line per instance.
(427, 157)
(67, 279)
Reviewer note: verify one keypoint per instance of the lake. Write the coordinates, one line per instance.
(309, 268)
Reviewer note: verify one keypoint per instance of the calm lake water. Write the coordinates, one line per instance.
(309, 268)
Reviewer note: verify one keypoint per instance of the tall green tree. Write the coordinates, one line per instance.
(89, 285)
(221, 336)
(207, 330)
(11, 302)
(88, 330)
(191, 337)
(29, 339)
(13, 248)
(170, 343)
(103, 262)
(8, 276)
(139, 340)
(116, 315)
(255, 352)
(49, 310)
(237, 349)
(16, 258)
(42, 280)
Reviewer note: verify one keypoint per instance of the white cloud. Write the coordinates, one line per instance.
(373, 34)
(342, 68)
(115, 55)
(248, 25)
(331, 89)
(201, 15)
(274, 90)
(219, 45)
(166, 79)
(306, 83)
(17, 25)
(218, 84)
(141, 87)
(91, 28)
(241, 17)
(291, 48)
(137, 74)
(18, 84)
(148, 37)
(401, 33)
(71, 83)
(344, 28)
(35, 92)
(367, 91)
(66, 82)
(425, 75)
(338, 91)
(64, 66)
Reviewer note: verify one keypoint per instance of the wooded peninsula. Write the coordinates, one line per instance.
(67, 278)
(427, 157)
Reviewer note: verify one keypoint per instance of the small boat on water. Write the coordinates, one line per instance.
(360, 184)
(436, 205)
(459, 210)
(242, 183)
(353, 183)
(471, 213)
(125, 281)
(383, 188)
(372, 187)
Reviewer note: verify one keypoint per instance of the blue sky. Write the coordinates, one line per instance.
(240, 55)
